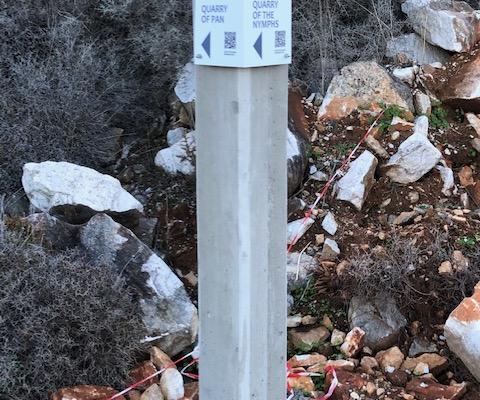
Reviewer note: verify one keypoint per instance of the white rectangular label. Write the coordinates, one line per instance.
(242, 33)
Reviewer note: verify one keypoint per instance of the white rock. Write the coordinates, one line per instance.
(293, 321)
(166, 310)
(175, 135)
(296, 229)
(319, 176)
(178, 158)
(412, 48)
(406, 75)
(171, 384)
(423, 104)
(49, 184)
(447, 177)
(185, 87)
(462, 331)
(329, 224)
(415, 157)
(358, 181)
(330, 249)
(451, 25)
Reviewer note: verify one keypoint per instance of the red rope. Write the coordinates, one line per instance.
(329, 183)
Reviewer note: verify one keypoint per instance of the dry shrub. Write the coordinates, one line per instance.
(63, 321)
(408, 271)
(328, 34)
(71, 70)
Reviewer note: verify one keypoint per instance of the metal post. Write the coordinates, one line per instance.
(241, 117)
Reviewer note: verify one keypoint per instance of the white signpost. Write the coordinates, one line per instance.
(241, 125)
(243, 33)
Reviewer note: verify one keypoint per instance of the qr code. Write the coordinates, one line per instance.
(231, 40)
(280, 37)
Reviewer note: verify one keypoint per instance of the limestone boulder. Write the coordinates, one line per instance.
(361, 84)
(75, 193)
(411, 48)
(380, 318)
(52, 232)
(462, 331)
(450, 25)
(415, 156)
(179, 158)
(461, 86)
(168, 314)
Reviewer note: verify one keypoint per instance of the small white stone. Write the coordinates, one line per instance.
(171, 384)
(329, 224)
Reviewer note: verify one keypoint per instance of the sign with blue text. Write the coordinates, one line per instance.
(242, 33)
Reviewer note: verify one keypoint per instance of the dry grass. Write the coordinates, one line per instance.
(330, 34)
(63, 321)
(408, 271)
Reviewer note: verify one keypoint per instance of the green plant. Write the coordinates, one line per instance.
(389, 113)
(438, 117)
(468, 241)
(319, 382)
(343, 148)
(304, 298)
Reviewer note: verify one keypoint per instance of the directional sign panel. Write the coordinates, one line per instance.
(243, 33)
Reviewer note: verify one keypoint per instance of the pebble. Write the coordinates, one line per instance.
(319, 239)
(395, 135)
(456, 218)
(445, 268)
(309, 320)
(338, 337)
(414, 197)
(293, 321)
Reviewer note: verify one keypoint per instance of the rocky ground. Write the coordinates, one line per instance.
(379, 268)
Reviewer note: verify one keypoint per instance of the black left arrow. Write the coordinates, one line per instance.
(206, 44)
(258, 46)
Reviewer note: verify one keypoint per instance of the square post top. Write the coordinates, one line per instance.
(242, 33)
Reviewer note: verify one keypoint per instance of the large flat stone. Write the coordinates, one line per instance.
(75, 193)
(167, 312)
